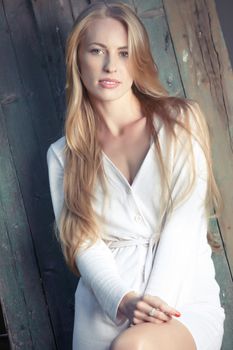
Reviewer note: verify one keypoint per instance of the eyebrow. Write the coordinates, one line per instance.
(102, 45)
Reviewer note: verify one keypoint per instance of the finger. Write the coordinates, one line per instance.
(144, 315)
(137, 321)
(158, 303)
(145, 308)
(139, 315)
(158, 315)
(165, 308)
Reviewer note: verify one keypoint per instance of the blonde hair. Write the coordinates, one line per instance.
(83, 167)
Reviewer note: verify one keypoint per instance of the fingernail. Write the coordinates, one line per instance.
(177, 314)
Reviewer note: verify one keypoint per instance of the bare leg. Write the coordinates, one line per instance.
(172, 335)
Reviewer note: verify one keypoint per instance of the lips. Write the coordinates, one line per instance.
(109, 80)
(109, 83)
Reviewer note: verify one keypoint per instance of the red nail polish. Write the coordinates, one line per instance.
(177, 314)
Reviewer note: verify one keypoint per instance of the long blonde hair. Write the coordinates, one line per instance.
(79, 223)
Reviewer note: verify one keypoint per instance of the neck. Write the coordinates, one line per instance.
(117, 114)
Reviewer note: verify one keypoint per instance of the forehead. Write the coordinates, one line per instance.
(107, 31)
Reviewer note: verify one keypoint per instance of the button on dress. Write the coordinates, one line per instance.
(136, 253)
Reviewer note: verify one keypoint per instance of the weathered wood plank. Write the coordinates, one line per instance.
(53, 21)
(20, 283)
(207, 77)
(32, 124)
(4, 339)
(153, 17)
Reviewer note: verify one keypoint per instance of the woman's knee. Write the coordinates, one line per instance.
(170, 336)
(127, 342)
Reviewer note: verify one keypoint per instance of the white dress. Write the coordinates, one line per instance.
(178, 268)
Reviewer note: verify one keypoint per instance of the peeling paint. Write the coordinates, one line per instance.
(185, 56)
(199, 77)
(170, 79)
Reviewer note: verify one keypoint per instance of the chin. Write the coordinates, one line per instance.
(110, 95)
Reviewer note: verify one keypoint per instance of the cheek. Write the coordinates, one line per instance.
(128, 75)
(129, 68)
(90, 66)
(88, 71)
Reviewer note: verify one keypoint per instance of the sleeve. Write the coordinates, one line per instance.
(183, 239)
(96, 264)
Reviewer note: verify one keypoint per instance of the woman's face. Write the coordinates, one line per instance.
(103, 60)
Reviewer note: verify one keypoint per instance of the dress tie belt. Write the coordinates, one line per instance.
(150, 242)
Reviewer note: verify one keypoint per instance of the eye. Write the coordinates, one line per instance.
(124, 54)
(96, 51)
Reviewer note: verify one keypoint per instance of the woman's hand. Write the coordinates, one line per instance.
(136, 308)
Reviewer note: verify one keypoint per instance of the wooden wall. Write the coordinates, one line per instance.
(36, 288)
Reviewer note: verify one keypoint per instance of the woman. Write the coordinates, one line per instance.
(132, 187)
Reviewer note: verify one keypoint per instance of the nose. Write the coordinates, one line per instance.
(110, 64)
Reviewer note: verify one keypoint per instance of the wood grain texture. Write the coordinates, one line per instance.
(32, 123)
(20, 284)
